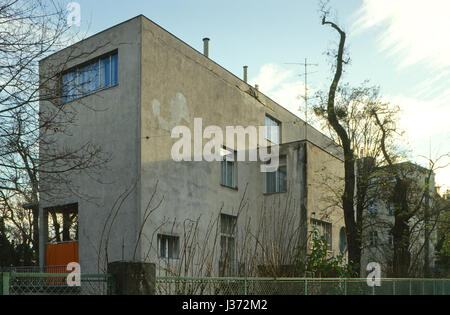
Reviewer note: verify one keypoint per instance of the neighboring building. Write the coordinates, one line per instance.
(379, 219)
(129, 86)
(446, 195)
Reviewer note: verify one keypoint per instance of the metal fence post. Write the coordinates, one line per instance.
(245, 286)
(393, 287)
(5, 283)
(345, 286)
(306, 286)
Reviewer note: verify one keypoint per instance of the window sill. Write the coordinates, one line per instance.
(229, 187)
(274, 193)
(87, 95)
(167, 259)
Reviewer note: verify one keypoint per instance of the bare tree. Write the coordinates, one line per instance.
(411, 202)
(352, 222)
(31, 31)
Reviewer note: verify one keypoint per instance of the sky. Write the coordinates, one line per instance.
(400, 45)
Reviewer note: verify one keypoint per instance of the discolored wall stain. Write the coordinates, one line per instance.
(178, 109)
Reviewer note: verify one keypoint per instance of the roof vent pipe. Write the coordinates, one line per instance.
(206, 47)
(245, 73)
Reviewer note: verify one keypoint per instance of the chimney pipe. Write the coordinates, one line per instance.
(257, 87)
(245, 73)
(206, 47)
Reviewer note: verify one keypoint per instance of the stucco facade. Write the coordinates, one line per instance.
(143, 193)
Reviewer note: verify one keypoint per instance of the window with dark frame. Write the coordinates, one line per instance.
(373, 238)
(276, 182)
(228, 169)
(325, 230)
(273, 127)
(168, 246)
(391, 240)
(227, 262)
(373, 208)
(391, 209)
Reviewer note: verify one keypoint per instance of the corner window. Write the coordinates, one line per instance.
(100, 73)
(276, 182)
(228, 168)
(273, 130)
(168, 246)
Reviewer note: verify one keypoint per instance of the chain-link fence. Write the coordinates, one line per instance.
(23, 283)
(298, 286)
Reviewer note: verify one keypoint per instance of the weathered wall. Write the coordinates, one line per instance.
(109, 118)
(164, 83)
(325, 175)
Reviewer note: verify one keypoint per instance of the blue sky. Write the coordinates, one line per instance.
(400, 45)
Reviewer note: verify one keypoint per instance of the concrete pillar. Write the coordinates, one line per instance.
(133, 278)
(43, 236)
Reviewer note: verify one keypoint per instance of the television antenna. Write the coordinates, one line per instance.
(306, 65)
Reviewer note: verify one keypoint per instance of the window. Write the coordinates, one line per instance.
(391, 209)
(373, 238)
(372, 208)
(100, 73)
(168, 246)
(272, 130)
(228, 169)
(227, 261)
(342, 240)
(390, 240)
(324, 229)
(276, 182)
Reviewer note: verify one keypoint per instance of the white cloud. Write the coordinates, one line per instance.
(414, 30)
(426, 126)
(422, 119)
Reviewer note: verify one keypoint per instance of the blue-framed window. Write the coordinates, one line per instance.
(100, 73)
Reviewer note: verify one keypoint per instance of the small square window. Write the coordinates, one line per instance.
(168, 246)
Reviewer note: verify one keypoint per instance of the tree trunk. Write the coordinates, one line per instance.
(400, 231)
(352, 229)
